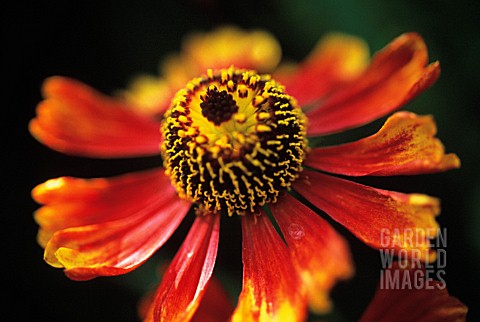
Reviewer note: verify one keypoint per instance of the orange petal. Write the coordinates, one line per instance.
(321, 256)
(75, 119)
(380, 218)
(187, 277)
(404, 145)
(72, 202)
(117, 243)
(271, 287)
(420, 300)
(397, 74)
(336, 60)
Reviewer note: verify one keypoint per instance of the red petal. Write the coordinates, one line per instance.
(75, 119)
(321, 256)
(74, 202)
(404, 145)
(119, 241)
(396, 75)
(271, 287)
(215, 306)
(419, 299)
(380, 218)
(186, 279)
(336, 60)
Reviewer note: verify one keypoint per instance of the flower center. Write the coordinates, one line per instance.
(217, 106)
(233, 140)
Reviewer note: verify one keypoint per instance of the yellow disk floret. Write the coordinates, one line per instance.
(233, 140)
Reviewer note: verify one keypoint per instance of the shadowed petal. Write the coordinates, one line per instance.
(397, 74)
(320, 255)
(271, 287)
(77, 120)
(420, 300)
(406, 144)
(380, 218)
(216, 304)
(186, 279)
(336, 60)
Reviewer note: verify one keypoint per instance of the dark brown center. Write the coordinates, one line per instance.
(218, 107)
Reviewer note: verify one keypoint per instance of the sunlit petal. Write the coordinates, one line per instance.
(271, 287)
(215, 305)
(320, 254)
(73, 202)
(380, 218)
(105, 226)
(186, 279)
(406, 144)
(75, 119)
(397, 74)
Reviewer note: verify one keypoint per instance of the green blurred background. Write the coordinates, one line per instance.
(105, 43)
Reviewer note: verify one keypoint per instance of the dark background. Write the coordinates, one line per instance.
(105, 43)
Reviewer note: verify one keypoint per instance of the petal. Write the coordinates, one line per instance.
(402, 304)
(187, 277)
(121, 244)
(148, 95)
(75, 119)
(221, 48)
(321, 256)
(335, 60)
(271, 289)
(228, 46)
(73, 202)
(397, 74)
(406, 144)
(380, 218)
(215, 305)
